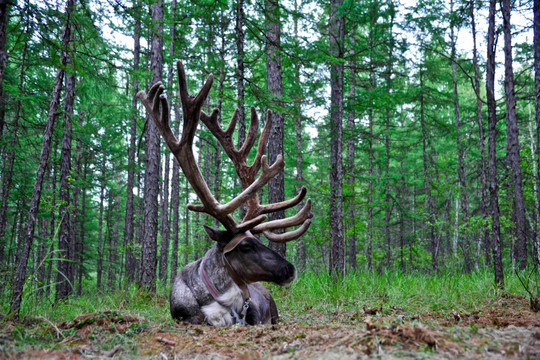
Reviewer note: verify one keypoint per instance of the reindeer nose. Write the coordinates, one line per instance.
(289, 274)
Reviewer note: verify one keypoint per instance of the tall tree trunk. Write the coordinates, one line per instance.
(492, 149)
(222, 73)
(175, 200)
(337, 242)
(537, 110)
(4, 18)
(370, 136)
(64, 275)
(165, 228)
(129, 219)
(300, 245)
(429, 202)
(114, 202)
(351, 116)
(186, 223)
(52, 226)
(481, 140)
(512, 139)
(41, 257)
(45, 150)
(76, 218)
(7, 175)
(240, 72)
(99, 268)
(274, 83)
(402, 218)
(82, 214)
(460, 149)
(387, 205)
(151, 183)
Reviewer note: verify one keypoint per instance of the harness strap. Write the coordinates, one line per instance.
(234, 275)
(207, 283)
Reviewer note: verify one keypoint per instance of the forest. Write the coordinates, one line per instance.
(413, 125)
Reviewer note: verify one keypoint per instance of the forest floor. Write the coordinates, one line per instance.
(502, 328)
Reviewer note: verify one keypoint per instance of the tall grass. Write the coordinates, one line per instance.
(312, 292)
(409, 292)
(131, 299)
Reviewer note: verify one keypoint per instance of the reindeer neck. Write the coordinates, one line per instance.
(215, 272)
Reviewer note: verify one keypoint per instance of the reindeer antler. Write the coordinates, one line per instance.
(158, 107)
(247, 173)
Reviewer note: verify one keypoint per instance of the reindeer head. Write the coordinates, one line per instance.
(243, 253)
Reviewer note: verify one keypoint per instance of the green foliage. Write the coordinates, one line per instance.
(403, 80)
(410, 293)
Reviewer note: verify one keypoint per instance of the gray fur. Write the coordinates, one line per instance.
(192, 301)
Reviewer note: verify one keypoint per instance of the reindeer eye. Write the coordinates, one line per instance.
(244, 247)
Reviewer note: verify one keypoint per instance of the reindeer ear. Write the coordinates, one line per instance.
(218, 235)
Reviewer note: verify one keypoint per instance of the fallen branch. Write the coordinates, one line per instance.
(166, 341)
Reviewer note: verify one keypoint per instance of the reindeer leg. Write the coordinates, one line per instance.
(263, 309)
(183, 305)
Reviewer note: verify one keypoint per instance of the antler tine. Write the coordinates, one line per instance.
(289, 235)
(283, 205)
(251, 134)
(157, 105)
(295, 220)
(191, 105)
(267, 173)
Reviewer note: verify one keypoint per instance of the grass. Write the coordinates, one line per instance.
(313, 299)
(410, 292)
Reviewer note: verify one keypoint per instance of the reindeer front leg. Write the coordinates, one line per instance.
(183, 304)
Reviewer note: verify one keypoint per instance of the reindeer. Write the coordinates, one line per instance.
(223, 288)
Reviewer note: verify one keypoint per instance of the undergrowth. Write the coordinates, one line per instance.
(411, 293)
(312, 292)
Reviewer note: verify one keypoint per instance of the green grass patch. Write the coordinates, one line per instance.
(411, 293)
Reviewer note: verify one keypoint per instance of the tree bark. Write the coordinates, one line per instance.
(99, 268)
(64, 275)
(351, 116)
(165, 224)
(492, 149)
(300, 245)
(337, 242)
(512, 139)
(274, 83)
(52, 223)
(537, 110)
(165, 228)
(112, 224)
(151, 183)
(481, 140)
(388, 205)
(186, 224)
(240, 72)
(175, 200)
(7, 175)
(4, 19)
(129, 232)
(429, 202)
(460, 150)
(371, 85)
(45, 150)
(80, 250)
